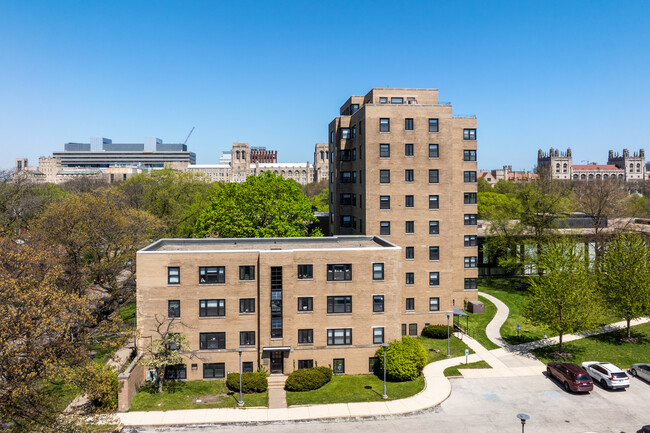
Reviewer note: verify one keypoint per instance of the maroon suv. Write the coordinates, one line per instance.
(572, 376)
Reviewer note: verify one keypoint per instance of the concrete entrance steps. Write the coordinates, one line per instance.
(277, 394)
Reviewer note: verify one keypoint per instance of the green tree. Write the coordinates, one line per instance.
(494, 206)
(483, 185)
(505, 187)
(564, 298)
(404, 359)
(624, 276)
(164, 351)
(320, 202)
(263, 206)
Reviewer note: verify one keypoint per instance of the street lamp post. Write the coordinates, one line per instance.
(384, 395)
(523, 417)
(448, 347)
(240, 403)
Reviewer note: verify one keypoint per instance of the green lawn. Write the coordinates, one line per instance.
(478, 322)
(453, 371)
(183, 395)
(457, 348)
(126, 313)
(356, 387)
(606, 347)
(61, 394)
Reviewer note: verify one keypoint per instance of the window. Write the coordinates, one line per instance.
(345, 133)
(410, 304)
(346, 221)
(469, 134)
(377, 271)
(247, 367)
(212, 307)
(383, 100)
(471, 283)
(469, 197)
(353, 132)
(276, 327)
(173, 309)
(469, 155)
(434, 278)
(247, 338)
(212, 340)
(247, 272)
(410, 252)
(384, 150)
(305, 336)
(305, 272)
(338, 366)
(470, 262)
(354, 108)
(384, 228)
(408, 124)
(408, 150)
(215, 370)
(434, 304)
(410, 227)
(410, 278)
(413, 329)
(408, 201)
(384, 202)
(305, 363)
(339, 304)
(306, 304)
(433, 176)
(470, 219)
(339, 337)
(339, 272)
(403, 329)
(433, 125)
(378, 304)
(433, 202)
(469, 176)
(176, 372)
(433, 151)
(377, 335)
(434, 253)
(173, 275)
(408, 175)
(384, 125)
(395, 100)
(372, 363)
(434, 227)
(346, 177)
(384, 176)
(212, 275)
(247, 305)
(347, 154)
(348, 199)
(470, 241)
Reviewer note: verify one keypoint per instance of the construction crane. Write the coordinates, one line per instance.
(188, 136)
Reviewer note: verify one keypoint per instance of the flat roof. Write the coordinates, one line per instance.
(267, 244)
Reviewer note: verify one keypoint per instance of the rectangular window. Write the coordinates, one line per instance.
(384, 150)
(348, 199)
(384, 228)
(339, 272)
(433, 176)
(410, 252)
(408, 150)
(410, 227)
(247, 367)
(469, 134)
(410, 278)
(346, 177)
(469, 176)
(345, 133)
(434, 304)
(384, 202)
(246, 273)
(384, 125)
(247, 338)
(377, 271)
(469, 155)
(434, 227)
(173, 275)
(470, 219)
(471, 283)
(212, 307)
(378, 304)
(410, 304)
(433, 151)
(176, 372)
(433, 125)
(413, 329)
(346, 221)
(470, 262)
(305, 336)
(408, 175)
(469, 197)
(305, 363)
(354, 108)
(212, 340)
(403, 329)
(173, 309)
(338, 366)
(305, 272)
(434, 278)
(215, 370)
(247, 305)
(212, 275)
(306, 304)
(470, 241)
(377, 335)
(384, 176)
(339, 304)
(408, 124)
(434, 253)
(372, 363)
(408, 201)
(396, 100)
(383, 100)
(339, 337)
(433, 202)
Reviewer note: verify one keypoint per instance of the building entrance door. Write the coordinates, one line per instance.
(277, 362)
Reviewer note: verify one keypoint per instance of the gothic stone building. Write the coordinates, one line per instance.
(623, 167)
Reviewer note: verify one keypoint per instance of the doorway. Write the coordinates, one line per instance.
(277, 362)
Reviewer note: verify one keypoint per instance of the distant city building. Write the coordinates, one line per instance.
(623, 167)
(507, 173)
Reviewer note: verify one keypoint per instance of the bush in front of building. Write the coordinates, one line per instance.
(308, 379)
(404, 359)
(438, 332)
(250, 382)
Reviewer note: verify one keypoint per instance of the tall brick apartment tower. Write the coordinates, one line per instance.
(403, 168)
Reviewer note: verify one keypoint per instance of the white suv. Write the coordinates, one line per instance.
(607, 374)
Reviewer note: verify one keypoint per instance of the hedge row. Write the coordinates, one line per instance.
(308, 379)
(404, 359)
(437, 331)
(250, 382)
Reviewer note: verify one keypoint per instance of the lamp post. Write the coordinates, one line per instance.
(240, 403)
(523, 417)
(384, 395)
(448, 347)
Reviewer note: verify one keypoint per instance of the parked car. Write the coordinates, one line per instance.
(571, 376)
(641, 370)
(644, 429)
(607, 374)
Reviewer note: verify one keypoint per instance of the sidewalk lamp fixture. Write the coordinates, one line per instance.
(240, 403)
(384, 395)
(523, 417)
(448, 347)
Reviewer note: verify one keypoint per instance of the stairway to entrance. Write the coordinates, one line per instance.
(277, 394)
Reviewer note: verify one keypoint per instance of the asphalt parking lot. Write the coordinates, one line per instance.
(489, 405)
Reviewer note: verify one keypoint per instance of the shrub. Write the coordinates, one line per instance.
(250, 382)
(308, 379)
(437, 331)
(404, 359)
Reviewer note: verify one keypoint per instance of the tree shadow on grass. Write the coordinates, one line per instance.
(514, 284)
(549, 352)
(616, 337)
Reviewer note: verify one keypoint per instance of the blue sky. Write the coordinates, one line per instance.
(536, 73)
